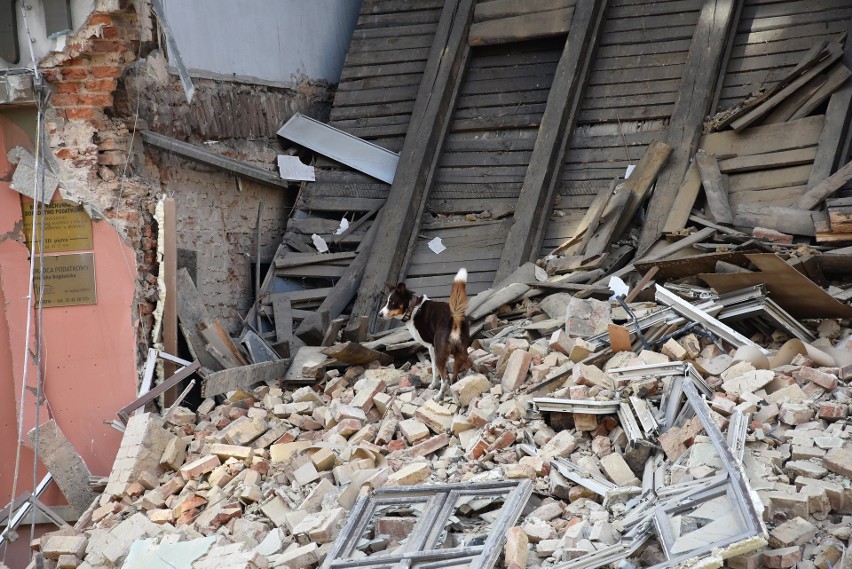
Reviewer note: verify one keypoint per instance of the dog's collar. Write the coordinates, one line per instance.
(412, 307)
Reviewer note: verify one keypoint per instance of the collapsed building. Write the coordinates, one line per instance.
(650, 200)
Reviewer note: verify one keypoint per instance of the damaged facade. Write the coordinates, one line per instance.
(650, 200)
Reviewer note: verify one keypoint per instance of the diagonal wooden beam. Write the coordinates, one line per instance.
(706, 53)
(526, 234)
(834, 140)
(433, 109)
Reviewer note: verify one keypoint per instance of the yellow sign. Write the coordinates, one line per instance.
(67, 227)
(69, 280)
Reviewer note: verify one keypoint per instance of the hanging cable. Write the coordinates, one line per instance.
(41, 166)
(25, 375)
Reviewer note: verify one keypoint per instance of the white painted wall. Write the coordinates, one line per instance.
(280, 41)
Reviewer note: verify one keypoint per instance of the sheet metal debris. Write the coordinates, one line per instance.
(355, 152)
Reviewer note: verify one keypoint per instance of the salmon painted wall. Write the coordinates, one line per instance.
(89, 352)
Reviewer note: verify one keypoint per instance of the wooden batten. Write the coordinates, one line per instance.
(704, 60)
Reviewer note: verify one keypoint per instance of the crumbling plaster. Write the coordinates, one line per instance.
(216, 213)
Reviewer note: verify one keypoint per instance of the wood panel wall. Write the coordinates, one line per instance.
(628, 100)
(483, 163)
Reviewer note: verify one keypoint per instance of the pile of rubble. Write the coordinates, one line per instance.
(587, 432)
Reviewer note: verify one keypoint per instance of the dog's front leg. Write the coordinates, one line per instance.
(435, 375)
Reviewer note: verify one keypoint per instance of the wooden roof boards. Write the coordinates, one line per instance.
(504, 147)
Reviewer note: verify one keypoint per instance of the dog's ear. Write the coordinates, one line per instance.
(400, 287)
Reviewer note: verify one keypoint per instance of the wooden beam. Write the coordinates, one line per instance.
(180, 375)
(430, 119)
(715, 23)
(783, 219)
(192, 314)
(830, 150)
(193, 152)
(243, 377)
(170, 316)
(825, 188)
(685, 200)
(527, 231)
(715, 188)
(282, 311)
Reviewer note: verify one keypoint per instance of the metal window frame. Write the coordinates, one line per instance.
(420, 551)
(649, 513)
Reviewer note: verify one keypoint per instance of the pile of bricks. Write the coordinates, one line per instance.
(267, 477)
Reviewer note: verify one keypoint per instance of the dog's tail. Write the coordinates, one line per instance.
(458, 303)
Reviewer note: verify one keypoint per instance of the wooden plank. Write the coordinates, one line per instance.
(834, 53)
(393, 6)
(396, 19)
(521, 28)
(781, 22)
(783, 219)
(590, 220)
(600, 238)
(645, 9)
(792, 104)
(243, 377)
(794, 8)
(686, 196)
(626, 113)
(227, 353)
(768, 179)
(498, 9)
(203, 156)
(715, 24)
(290, 259)
(643, 42)
(282, 311)
(311, 330)
(169, 276)
(840, 219)
(641, 179)
(834, 139)
(757, 162)
(376, 57)
(526, 236)
(430, 119)
(192, 313)
(635, 74)
(144, 399)
(824, 189)
(784, 197)
(715, 188)
(837, 76)
(764, 139)
(651, 34)
(428, 28)
(475, 263)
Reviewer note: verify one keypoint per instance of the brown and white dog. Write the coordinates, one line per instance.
(441, 327)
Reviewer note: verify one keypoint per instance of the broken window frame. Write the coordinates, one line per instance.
(754, 303)
(649, 514)
(420, 551)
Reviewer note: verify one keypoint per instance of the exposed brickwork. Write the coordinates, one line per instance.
(104, 76)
